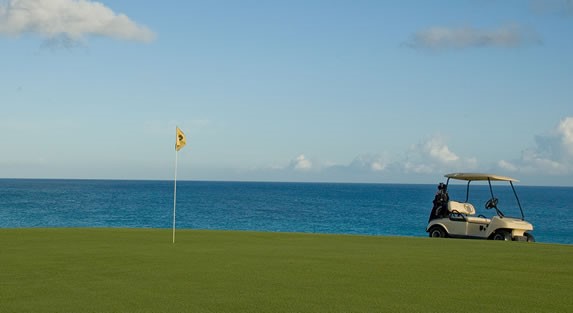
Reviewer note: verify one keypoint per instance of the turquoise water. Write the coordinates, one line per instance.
(369, 209)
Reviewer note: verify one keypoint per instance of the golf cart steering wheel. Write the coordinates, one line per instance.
(491, 203)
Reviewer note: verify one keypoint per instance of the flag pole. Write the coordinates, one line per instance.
(174, 195)
(180, 142)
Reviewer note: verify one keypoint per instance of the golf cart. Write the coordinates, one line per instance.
(457, 219)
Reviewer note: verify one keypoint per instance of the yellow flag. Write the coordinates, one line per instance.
(180, 140)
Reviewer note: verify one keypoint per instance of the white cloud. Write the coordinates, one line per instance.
(435, 38)
(301, 163)
(377, 166)
(434, 156)
(553, 153)
(552, 156)
(65, 20)
(436, 149)
(373, 163)
(565, 131)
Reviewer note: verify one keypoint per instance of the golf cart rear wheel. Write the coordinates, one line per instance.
(437, 232)
(502, 235)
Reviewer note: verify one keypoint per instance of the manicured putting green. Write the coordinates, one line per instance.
(140, 270)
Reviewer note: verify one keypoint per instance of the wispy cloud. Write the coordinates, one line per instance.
(553, 153)
(438, 38)
(68, 21)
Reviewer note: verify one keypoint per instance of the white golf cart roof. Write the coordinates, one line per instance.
(479, 176)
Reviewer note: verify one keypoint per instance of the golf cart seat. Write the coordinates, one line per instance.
(466, 209)
(461, 207)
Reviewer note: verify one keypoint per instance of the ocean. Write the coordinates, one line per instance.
(331, 208)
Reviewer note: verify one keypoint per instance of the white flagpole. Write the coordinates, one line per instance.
(174, 195)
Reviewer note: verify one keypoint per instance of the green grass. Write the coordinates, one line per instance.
(140, 270)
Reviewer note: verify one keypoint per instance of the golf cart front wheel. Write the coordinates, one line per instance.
(437, 232)
(530, 237)
(502, 235)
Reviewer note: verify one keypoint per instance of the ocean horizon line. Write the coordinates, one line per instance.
(255, 181)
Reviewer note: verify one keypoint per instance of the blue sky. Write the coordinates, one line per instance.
(337, 91)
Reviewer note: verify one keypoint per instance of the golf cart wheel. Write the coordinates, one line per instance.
(437, 232)
(530, 237)
(502, 235)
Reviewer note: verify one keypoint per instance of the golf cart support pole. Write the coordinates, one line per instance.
(518, 202)
(467, 188)
(490, 189)
(468, 191)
